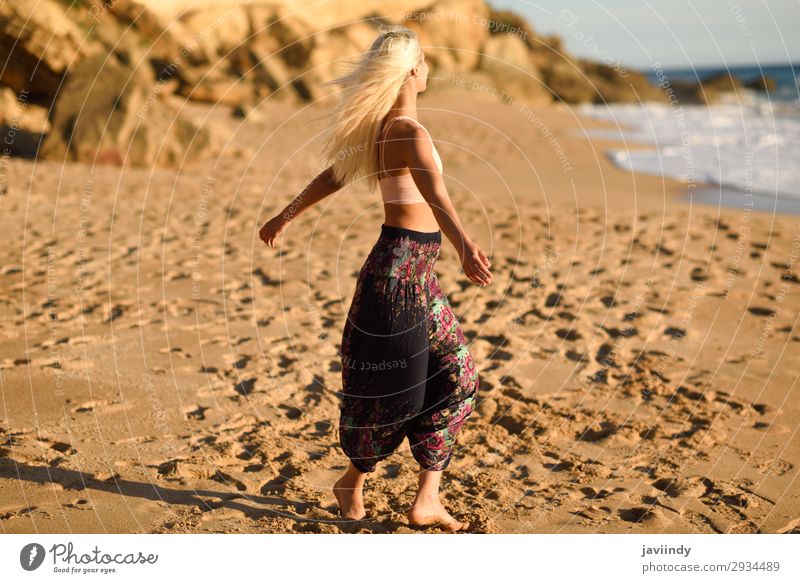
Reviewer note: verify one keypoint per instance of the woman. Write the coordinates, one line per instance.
(406, 367)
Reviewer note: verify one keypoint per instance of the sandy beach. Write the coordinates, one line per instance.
(162, 371)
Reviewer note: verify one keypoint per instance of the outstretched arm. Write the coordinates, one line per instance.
(324, 184)
(417, 152)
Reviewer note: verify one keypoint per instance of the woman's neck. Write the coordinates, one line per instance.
(405, 105)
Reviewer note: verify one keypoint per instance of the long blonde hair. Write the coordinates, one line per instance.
(368, 92)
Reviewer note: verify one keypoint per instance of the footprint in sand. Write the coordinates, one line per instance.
(245, 387)
(60, 447)
(80, 504)
(89, 406)
(278, 484)
(195, 412)
(641, 515)
(24, 512)
(793, 527)
(700, 523)
(694, 486)
(237, 361)
(775, 467)
(224, 478)
(593, 494)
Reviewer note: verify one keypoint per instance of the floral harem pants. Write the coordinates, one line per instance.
(406, 367)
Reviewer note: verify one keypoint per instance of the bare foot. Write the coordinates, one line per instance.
(351, 504)
(429, 511)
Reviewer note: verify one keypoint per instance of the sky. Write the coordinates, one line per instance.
(674, 33)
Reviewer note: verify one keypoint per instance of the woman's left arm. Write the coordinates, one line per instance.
(324, 184)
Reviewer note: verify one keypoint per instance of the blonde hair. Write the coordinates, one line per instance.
(368, 92)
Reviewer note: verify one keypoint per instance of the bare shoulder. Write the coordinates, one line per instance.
(409, 135)
(405, 127)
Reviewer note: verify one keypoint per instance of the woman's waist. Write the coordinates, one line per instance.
(413, 216)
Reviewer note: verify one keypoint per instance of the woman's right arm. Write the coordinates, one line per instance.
(324, 184)
(417, 152)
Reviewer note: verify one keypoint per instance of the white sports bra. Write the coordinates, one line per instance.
(402, 189)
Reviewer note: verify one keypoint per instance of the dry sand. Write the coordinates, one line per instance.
(161, 370)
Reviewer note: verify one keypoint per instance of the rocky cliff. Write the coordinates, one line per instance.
(111, 75)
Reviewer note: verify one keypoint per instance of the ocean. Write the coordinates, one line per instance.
(747, 146)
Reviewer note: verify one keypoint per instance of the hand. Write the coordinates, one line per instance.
(272, 229)
(476, 265)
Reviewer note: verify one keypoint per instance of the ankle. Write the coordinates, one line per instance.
(349, 483)
(427, 497)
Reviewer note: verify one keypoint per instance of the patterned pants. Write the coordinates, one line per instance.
(406, 367)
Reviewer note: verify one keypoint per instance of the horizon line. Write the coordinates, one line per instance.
(645, 68)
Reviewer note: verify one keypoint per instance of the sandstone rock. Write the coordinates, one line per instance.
(706, 91)
(324, 15)
(568, 82)
(295, 36)
(37, 44)
(268, 67)
(619, 84)
(16, 111)
(452, 32)
(247, 112)
(506, 60)
(218, 88)
(162, 43)
(290, 47)
(21, 124)
(762, 84)
(507, 22)
(236, 52)
(109, 112)
(218, 29)
(722, 82)
(281, 81)
(332, 45)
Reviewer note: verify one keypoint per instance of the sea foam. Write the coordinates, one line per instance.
(746, 142)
